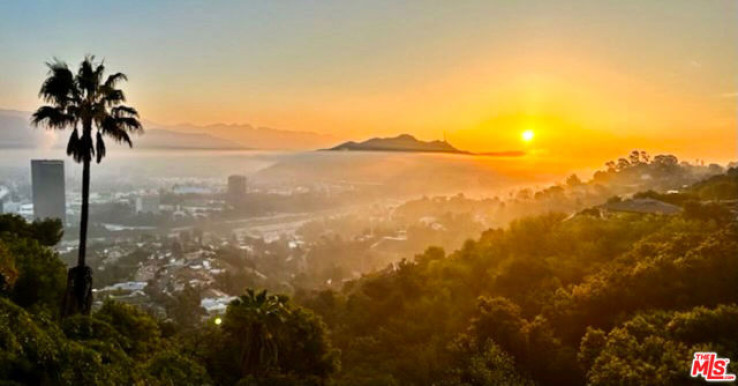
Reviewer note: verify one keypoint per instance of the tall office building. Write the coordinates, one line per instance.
(236, 189)
(47, 185)
(147, 204)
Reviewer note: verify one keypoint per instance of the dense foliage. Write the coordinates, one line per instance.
(122, 344)
(551, 300)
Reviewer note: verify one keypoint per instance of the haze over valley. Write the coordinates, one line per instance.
(368, 193)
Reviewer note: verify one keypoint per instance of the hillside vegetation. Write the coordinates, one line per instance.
(551, 300)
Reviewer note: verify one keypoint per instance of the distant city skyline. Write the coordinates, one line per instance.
(591, 79)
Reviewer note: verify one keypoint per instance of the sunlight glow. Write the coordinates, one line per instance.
(527, 135)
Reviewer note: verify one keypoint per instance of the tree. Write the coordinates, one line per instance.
(656, 347)
(623, 164)
(498, 320)
(667, 160)
(489, 366)
(635, 157)
(8, 271)
(184, 307)
(47, 232)
(141, 333)
(611, 166)
(574, 181)
(267, 340)
(29, 354)
(171, 368)
(40, 275)
(86, 100)
(531, 343)
(255, 318)
(30, 273)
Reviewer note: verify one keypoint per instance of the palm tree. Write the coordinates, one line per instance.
(87, 101)
(256, 319)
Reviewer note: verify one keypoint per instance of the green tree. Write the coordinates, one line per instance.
(40, 281)
(30, 273)
(532, 343)
(656, 347)
(254, 319)
(637, 353)
(140, 332)
(267, 340)
(169, 368)
(35, 274)
(88, 101)
(47, 232)
(184, 308)
(489, 366)
(8, 271)
(29, 349)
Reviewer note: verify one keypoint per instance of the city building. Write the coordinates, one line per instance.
(147, 204)
(47, 186)
(236, 189)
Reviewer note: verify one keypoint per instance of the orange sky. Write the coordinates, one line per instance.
(593, 79)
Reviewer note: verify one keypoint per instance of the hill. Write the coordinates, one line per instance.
(548, 300)
(409, 144)
(402, 143)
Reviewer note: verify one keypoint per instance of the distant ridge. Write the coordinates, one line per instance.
(253, 137)
(16, 132)
(167, 139)
(403, 142)
(410, 144)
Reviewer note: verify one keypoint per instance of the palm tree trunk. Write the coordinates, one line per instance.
(82, 250)
(78, 296)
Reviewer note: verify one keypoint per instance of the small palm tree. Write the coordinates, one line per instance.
(257, 320)
(84, 101)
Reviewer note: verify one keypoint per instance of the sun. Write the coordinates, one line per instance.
(528, 135)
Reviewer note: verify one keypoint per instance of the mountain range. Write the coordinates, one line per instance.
(16, 132)
(252, 137)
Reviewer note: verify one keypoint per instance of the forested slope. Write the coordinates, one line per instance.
(592, 298)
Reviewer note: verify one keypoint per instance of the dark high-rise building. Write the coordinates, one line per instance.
(47, 185)
(236, 189)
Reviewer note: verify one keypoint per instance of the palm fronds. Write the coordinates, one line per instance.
(86, 100)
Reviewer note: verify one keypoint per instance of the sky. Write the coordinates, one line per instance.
(591, 79)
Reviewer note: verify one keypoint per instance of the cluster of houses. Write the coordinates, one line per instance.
(166, 273)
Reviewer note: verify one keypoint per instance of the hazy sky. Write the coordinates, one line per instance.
(591, 78)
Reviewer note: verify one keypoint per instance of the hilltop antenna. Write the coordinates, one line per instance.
(444, 136)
